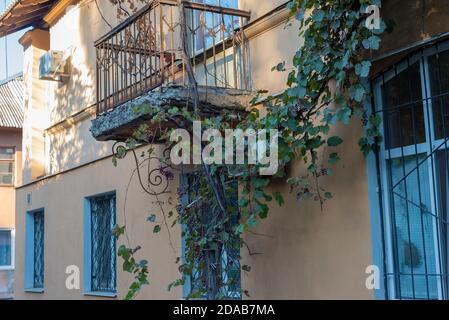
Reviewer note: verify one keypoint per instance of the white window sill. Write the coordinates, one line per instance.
(101, 294)
(35, 290)
(7, 268)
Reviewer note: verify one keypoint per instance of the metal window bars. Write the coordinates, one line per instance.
(38, 278)
(228, 256)
(413, 172)
(5, 248)
(103, 242)
(145, 51)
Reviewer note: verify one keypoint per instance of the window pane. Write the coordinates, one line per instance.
(5, 248)
(5, 179)
(6, 167)
(209, 29)
(439, 83)
(6, 153)
(103, 244)
(403, 109)
(413, 230)
(39, 250)
(222, 3)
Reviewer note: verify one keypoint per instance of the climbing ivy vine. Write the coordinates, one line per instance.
(327, 84)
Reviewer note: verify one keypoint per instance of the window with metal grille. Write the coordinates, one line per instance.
(103, 258)
(229, 255)
(412, 98)
(38, 278)
(6, 166)
(5, 248)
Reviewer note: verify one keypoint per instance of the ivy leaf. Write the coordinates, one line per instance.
(157, 229)
(328, 195)
(278, 197)
(298, 92)
(225, 236)
(344, 114)
(152, 218)
(252, 222)
(118, 231)
(375, 120)
(127, 266)
(334, 141)
(260, 183)
(334, 158)
(261, 209)
(362, 69)
(292, 124)
(312, 168)
(240, 229)
(279, 67)
(318, 15)
(357, 93)
(246, 268)
(123, 252)
(243, 202)
(372, 43)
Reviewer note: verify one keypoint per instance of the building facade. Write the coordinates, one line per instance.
(11, 118)
(387, 211)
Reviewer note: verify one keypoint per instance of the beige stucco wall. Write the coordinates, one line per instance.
(7, 212)
(62, 198)
(307, 253)
(414, 21)
(36, 118)
(85, 25)
(74, 145)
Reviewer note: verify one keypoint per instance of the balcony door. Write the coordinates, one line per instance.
(212, 41)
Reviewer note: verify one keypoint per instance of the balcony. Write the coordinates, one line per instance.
(141, 62)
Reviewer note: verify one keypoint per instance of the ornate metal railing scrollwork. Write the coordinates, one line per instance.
(154, 173)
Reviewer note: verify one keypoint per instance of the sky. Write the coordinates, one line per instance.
(15, 51)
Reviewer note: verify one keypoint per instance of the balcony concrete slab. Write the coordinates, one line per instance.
(118, 124)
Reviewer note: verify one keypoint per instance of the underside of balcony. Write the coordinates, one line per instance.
(119, 123)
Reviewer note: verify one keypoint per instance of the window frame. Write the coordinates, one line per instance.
(29, 269)
(378, 174)
(11, 267)
(87, 225)
(186, 288)
(227, 71)
(12, 161)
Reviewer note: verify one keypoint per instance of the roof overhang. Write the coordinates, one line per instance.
(21, 14)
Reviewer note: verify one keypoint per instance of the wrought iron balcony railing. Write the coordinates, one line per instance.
(145, 51)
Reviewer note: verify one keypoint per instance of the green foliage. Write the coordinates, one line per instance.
(326, 85)
(139, 269)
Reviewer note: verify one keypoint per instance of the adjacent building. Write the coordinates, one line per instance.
(11, 118)
(85, 71)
